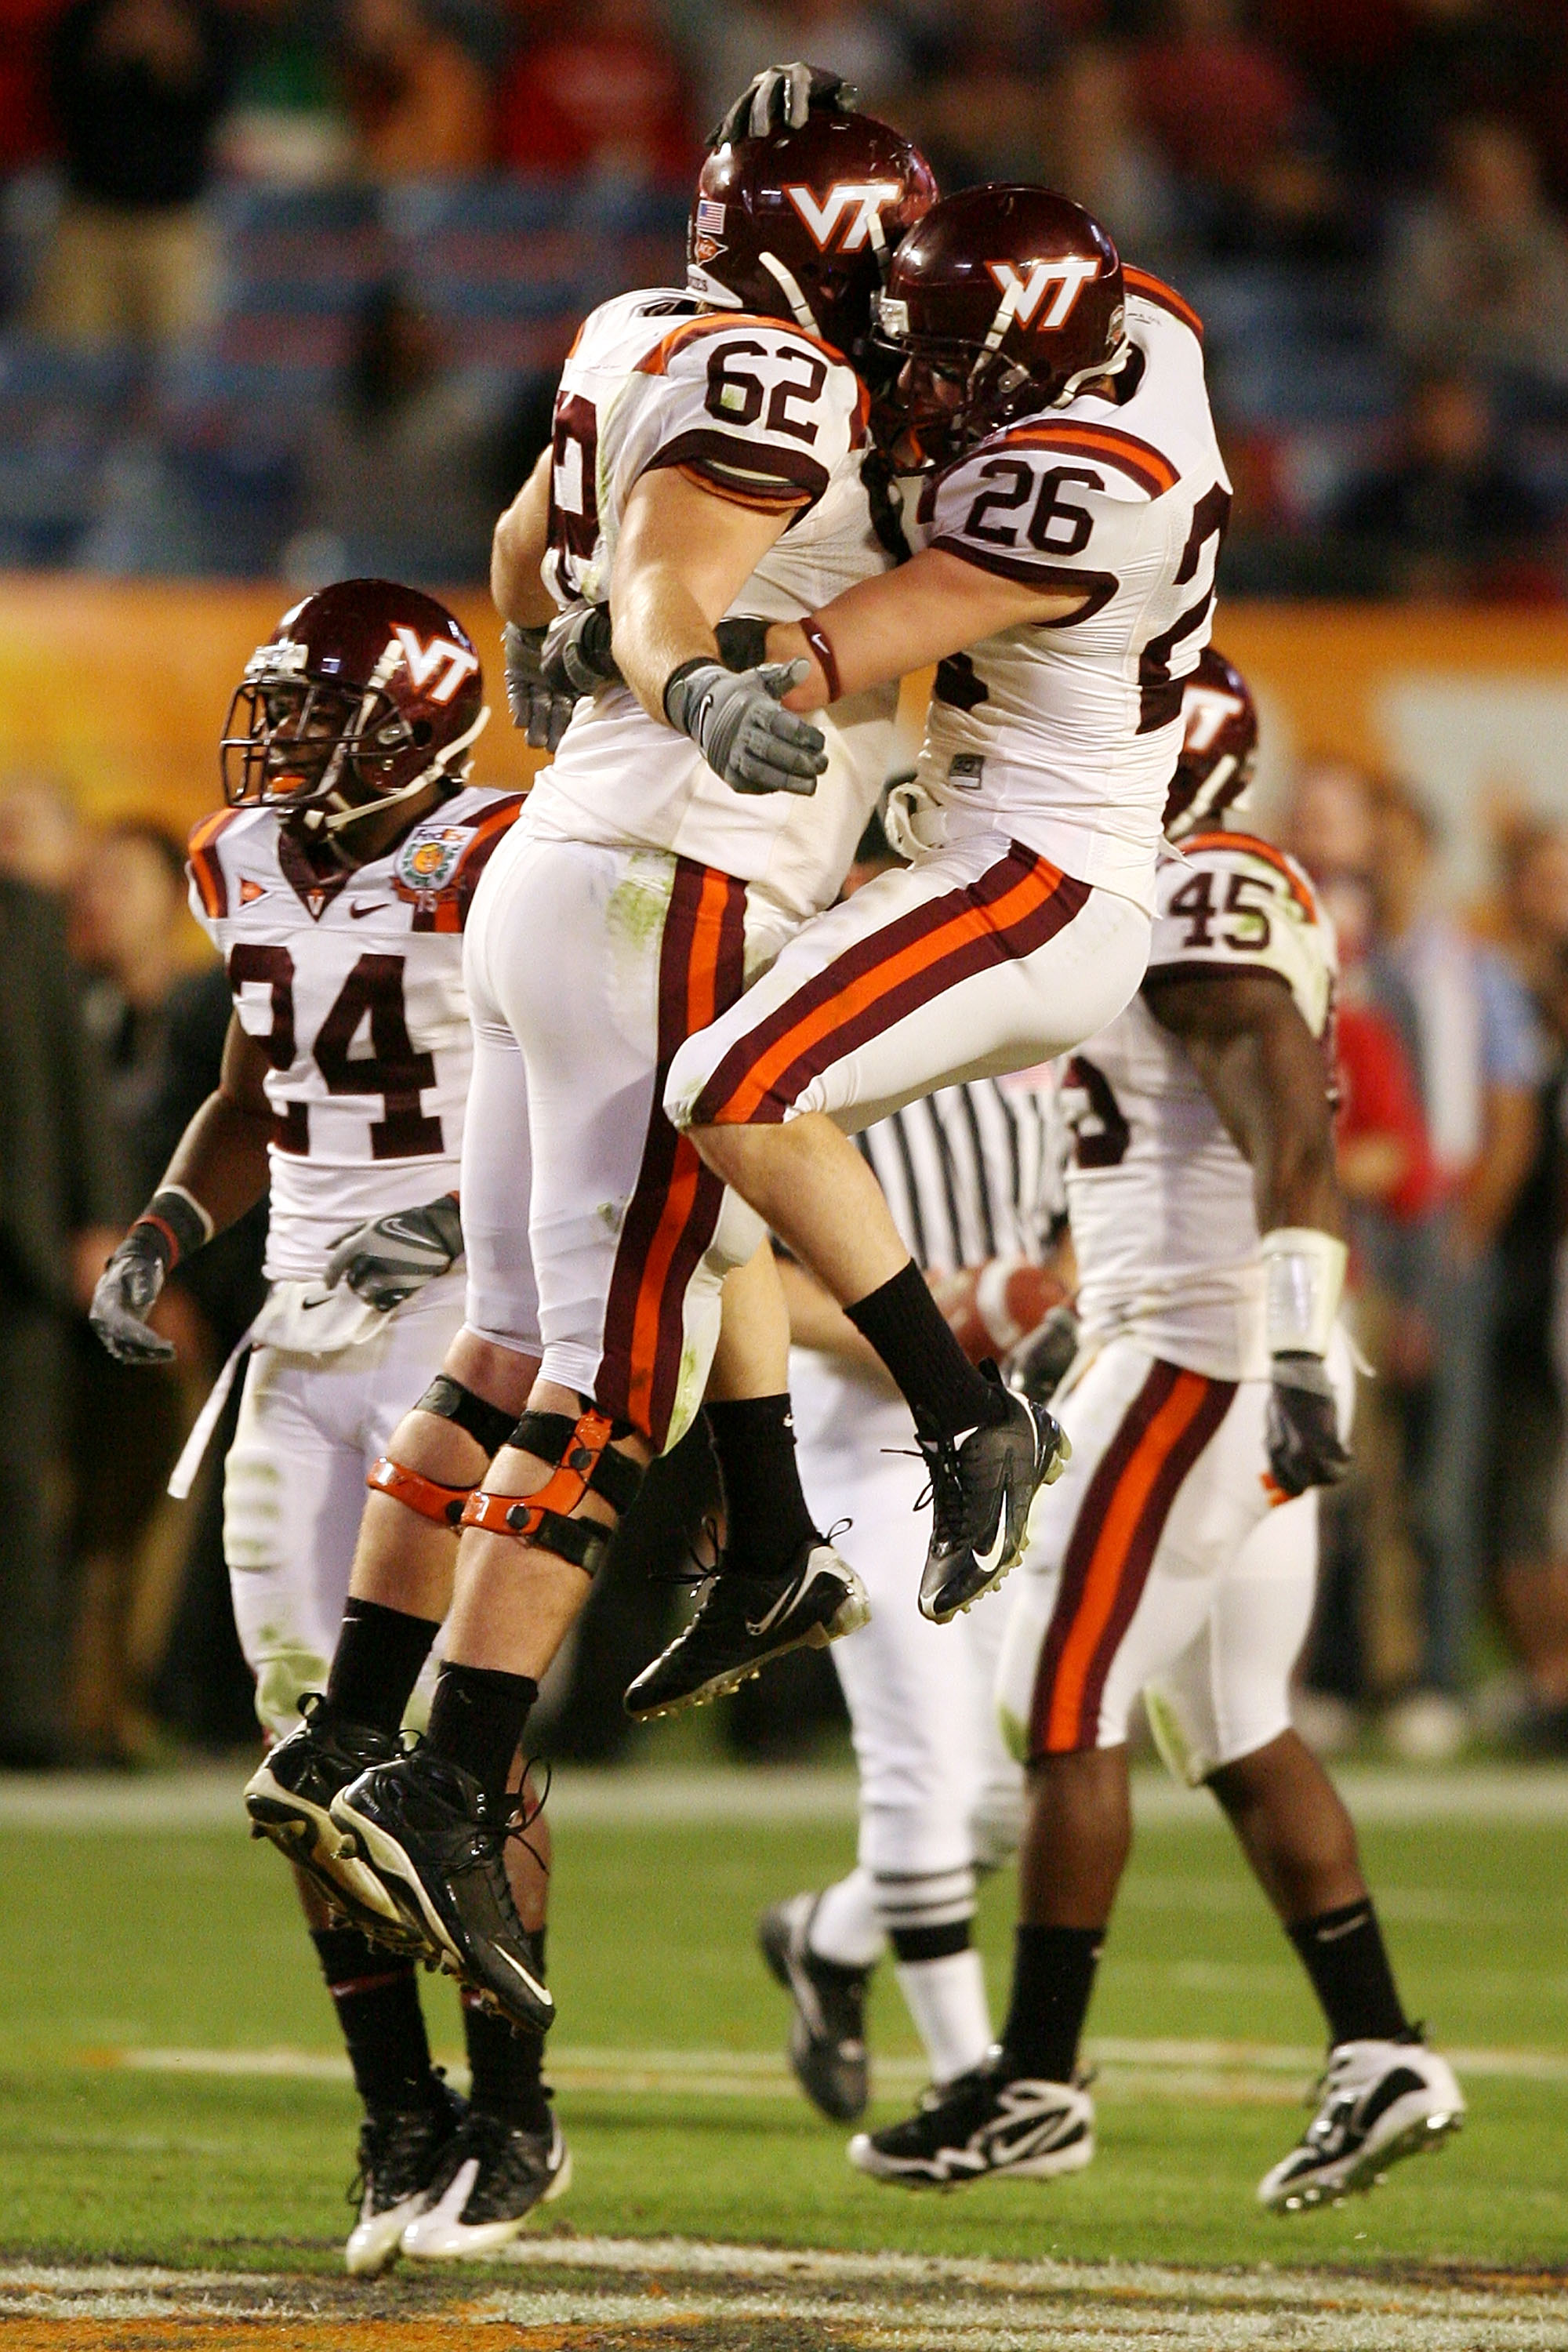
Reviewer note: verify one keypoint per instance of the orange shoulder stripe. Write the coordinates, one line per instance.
(1147, 465)
(206, 867)
(1256, 846)
(718, 323)
(1150, 289)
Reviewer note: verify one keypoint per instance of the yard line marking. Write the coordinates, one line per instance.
(208, 1798)
(897, 2302)
(1255, 2071)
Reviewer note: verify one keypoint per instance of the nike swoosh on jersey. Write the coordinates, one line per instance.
(359, 911)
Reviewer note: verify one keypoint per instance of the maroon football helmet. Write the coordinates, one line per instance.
(1219, 747)
(799, 224)
(366, 694)
(1006, 300)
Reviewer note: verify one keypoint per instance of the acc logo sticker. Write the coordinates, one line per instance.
(428, 861)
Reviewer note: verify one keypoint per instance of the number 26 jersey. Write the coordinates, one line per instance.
(757, 413)
(1165, 1223)
(1064, 734)
(353, 990)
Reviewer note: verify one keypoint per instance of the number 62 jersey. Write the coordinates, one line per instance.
(1165, 1223)
(353, 989)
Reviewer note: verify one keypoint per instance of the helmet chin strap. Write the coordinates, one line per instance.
(1113, 366)
(337, 814)
(790, 287)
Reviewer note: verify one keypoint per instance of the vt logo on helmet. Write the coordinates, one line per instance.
(367, 694)
(1219, 748)
(1007, 300)
(799, 224)
(851, 213)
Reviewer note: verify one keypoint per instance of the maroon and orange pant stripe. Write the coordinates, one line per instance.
(1114, 1539)
(674, 1210)
(1013, 908)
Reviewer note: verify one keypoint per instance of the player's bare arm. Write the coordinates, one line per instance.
(685, 552)
(1265, 1074)
(881, 629)
(517, 551)
(217, 1172)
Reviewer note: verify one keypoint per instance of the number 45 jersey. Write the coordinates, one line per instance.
(353, 989)
(1162, 1205)
(1065, 735)
(758, 413)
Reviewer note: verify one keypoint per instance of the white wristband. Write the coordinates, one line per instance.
(1304, 1271)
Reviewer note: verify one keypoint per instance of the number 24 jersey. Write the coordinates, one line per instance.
(353, 990)
(1164, 1219)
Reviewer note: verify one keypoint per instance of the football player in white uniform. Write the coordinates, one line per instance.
(336, 885)
(1210, 1396)
(1064, 585)
(973, 1177)
(707, 459)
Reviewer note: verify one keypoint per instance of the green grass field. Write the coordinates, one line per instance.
(121, 1943)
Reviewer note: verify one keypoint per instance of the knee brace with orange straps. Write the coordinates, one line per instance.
(582, 1465)
(489, 1426)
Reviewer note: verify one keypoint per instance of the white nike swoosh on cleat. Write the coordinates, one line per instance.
(532, 1983)
(786, 1600)
(988, 1561)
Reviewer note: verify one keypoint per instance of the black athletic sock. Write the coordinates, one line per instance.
(908, 1330)
(376, 1663)
(917, 1944)
(506, 2062)
(1343, 1952)
(765, 1518)
(376, 1996)
(1053, 1977)
(475, 1721)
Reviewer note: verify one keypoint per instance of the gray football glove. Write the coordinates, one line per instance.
(578, 654)
(781, 97)
(737, 723)
(126, 1293)
(541, 710)
(1303, 1439)
(1038, 1364)
(387, 1259)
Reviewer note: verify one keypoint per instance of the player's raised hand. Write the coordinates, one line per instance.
(1303, 1440)
(781, 97)
(126, 1293)
(578, 654)
(387, 1259)
(538, 710)
(737, 722)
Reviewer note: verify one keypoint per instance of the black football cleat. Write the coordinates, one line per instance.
(400, 2154)
(827, 2031)
(427, 1830)
(491, 2176)
(982, 1487)
(743, 1621)
(983, 2126)
(288, 1798)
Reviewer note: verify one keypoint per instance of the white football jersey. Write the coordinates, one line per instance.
(757, 412)
(1065, 735)
(354, 988)
(1164, 1222)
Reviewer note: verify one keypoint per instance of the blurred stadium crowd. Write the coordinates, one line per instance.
(283, 287)
(1442, 1615)
(261, 261)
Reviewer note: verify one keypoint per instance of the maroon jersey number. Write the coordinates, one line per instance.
(391, 1069)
